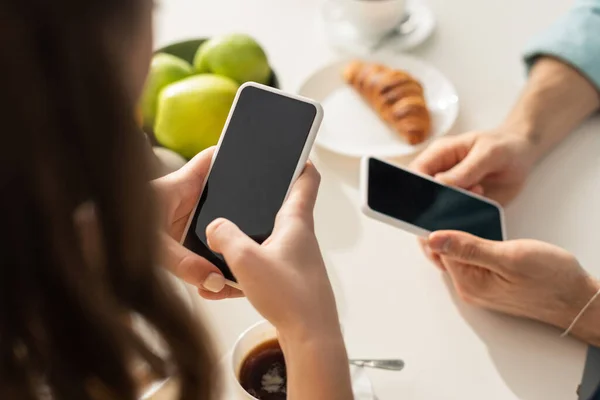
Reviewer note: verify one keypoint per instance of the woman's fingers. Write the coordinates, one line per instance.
(228, 292)
(302, 197)
(197, 168)
(190, 267)
(243, 255)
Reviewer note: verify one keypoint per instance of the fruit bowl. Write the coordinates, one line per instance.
(186, 50)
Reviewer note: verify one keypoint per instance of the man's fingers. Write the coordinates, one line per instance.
(468, 249)
(477, 189)
(442, 155)
(190, 267)
(470, 171)
(433, 257)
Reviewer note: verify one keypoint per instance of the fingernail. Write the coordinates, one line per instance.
(439, 244)
(214, 282)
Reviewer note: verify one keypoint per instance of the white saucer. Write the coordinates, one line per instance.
(361, 384)
(352, 128)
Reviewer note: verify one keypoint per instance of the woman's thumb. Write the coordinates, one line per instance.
(224, 237)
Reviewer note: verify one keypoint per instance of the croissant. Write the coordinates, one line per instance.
(395, 95)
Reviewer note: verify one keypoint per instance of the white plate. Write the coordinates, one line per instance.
(352, 128)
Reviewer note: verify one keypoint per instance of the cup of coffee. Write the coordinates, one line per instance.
(258, 365)
(372, 18)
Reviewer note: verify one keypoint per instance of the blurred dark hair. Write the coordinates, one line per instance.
(69, 138)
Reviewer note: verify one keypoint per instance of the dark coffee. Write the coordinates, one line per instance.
(263, 372)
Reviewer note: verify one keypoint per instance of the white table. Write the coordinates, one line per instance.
(452, 350)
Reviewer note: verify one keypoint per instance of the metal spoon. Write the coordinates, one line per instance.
(391, 365)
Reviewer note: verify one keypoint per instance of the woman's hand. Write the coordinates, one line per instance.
(524, 278)
(285, 277)
(494, 164)
(179, 192)
(286, 281)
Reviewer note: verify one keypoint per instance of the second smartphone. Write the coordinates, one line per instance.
(420, 205)
(263, 149)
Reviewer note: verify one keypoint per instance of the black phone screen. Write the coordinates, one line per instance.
(253, 168)
(429, 205)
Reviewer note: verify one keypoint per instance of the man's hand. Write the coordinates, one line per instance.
(179, 192)
(494, 164)
(524, 278)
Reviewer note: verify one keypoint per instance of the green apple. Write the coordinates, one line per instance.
(192, 113)
(236, 56)
(164, 70)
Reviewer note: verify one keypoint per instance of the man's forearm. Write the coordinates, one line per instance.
(556, 99)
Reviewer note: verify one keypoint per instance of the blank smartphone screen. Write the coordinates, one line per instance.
(253, 169)
(429, 205)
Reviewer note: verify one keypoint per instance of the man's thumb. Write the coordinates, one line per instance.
(466, 248)
(469, 172)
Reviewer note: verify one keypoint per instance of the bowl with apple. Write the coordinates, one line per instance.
(190, 89)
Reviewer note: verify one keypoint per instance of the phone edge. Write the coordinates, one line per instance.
(367, 210)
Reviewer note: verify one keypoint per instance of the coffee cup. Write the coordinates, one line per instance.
(251, 339)
(372, 18)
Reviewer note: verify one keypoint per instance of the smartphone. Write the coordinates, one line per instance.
(420, 205)
(263, 149)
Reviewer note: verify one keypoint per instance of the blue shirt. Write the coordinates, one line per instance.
(575, 39)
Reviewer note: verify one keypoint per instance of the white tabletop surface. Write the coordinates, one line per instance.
(394, 303)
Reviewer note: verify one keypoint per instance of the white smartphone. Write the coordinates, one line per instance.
(420, 205)
(263, 149)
